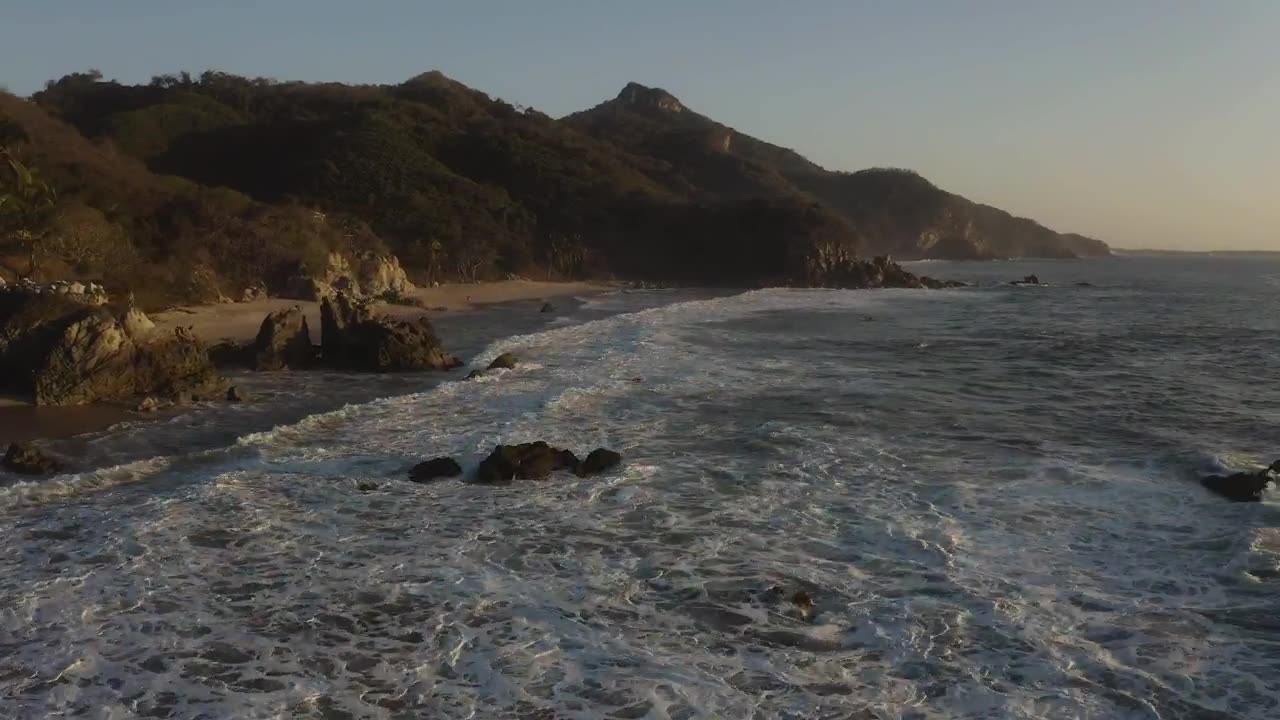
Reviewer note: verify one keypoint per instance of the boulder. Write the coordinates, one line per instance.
(1243, 486)
(475, 374)
(361, 274)
(235, 394)
(26, 459)
(353, 339)
(547, 307)
(339, 313)
(435, 469)
(57, 351)
(598, 461)
(284, 341)
(505, 361)
(527, 461)
(150, 404)
(252, 294)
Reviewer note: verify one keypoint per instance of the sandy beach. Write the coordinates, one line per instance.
(239, 322)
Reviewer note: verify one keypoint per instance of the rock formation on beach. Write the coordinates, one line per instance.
(284, 341)
(360, 274)
(56, 350)
(354, 338)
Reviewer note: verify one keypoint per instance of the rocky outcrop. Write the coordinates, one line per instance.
(363, 274)
(538, 460)
(26, 459)
(58, 351)
(284, 341)
(85, 293)
(435, 469)
(836, 266)
(599, 461)
(1243, 486)
(505, 361)
(527, 461)
(353, 338)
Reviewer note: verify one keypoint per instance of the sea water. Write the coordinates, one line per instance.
(990, 494)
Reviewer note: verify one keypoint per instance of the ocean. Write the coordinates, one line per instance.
(989, 493)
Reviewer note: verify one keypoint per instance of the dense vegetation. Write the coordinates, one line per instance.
(188, 187)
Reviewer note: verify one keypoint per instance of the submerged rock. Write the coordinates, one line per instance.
(598, 461)
(284, 341)
(1028, 280)
(435, 469)
(505, 361)
(1242, 487)
(27, 459)
(527, 461)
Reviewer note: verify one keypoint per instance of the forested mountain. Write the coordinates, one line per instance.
(189, 186)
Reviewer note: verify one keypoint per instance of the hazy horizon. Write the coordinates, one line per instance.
(1147, 126)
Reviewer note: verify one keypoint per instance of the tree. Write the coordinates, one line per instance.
(26, 204)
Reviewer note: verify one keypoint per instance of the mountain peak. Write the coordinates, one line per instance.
(638, 95)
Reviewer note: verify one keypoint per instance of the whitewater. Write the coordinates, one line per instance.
(989, 493)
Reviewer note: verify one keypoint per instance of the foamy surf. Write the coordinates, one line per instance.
(984, 527)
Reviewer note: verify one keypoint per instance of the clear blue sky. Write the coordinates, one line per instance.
(1148, 123)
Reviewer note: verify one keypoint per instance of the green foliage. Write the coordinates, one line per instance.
(26, 203)
(219, 182)
(147, 132)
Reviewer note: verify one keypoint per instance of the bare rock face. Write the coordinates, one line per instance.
(60, 351)
(284, 341)
(358, 275)
(352, 338)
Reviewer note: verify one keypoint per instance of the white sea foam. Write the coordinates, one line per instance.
(963, 564)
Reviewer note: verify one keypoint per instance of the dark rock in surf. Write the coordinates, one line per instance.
(598, 461)
(1242, 487)
(505, 361)
(1028, 280)
(435, 469)
(527, 461)
(367, 487)
(235, 394)
(1084, 284)
(27, 459)
(284, 341)
(475, 374)
(547, 307)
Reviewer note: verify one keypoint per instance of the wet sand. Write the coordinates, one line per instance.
(21, 421)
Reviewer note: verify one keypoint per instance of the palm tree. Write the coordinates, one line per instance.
(26, 202)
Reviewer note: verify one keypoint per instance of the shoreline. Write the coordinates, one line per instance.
(239, 322)
(22, 421)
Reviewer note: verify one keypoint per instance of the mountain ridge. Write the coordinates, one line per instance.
(959, 228)
(191, 175)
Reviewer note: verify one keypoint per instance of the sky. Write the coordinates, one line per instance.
(1146, 123)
